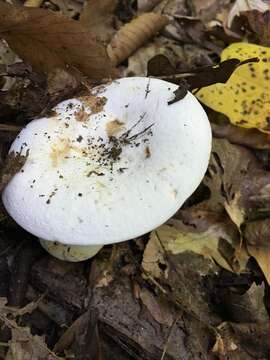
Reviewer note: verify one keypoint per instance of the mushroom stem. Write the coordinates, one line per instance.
(67, 252)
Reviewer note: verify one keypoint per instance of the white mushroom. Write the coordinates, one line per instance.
(108, 167)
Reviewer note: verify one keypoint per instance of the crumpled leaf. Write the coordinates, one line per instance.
(49, 40)
(245, 97)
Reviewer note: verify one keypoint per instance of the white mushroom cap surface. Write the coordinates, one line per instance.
(110, 166)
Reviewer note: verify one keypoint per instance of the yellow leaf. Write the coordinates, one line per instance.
(205, 243)
(245, 98)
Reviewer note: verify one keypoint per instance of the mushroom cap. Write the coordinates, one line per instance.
(110, 166)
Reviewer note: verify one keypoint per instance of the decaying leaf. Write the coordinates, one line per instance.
(245, 97)
(49, 40)
(134, 34)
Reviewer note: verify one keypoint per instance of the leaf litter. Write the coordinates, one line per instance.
(198, 286)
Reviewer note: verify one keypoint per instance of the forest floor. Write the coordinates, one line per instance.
(198, 286)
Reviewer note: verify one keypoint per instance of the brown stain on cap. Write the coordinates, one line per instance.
(95, 103)
(114, 127)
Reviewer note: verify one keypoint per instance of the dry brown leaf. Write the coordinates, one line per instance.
(134, 34)
(97, 16)
(49, 40)
(154, 262)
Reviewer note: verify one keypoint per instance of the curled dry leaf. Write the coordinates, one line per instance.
(49, 40)
(134, 34)
(246, 95)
